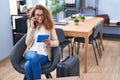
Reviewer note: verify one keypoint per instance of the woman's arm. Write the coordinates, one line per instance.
(54, 40)
(30, 34)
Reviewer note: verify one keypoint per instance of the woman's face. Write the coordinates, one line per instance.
(39, 16)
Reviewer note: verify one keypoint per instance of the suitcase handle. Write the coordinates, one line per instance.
(65, 59)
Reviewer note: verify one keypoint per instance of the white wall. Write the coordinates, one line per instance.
(13, 7)
(5, 29)
(110, 7)
(42, 2)
(31, 3)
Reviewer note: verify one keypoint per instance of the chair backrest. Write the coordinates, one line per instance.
(60, 35)
(96, 30)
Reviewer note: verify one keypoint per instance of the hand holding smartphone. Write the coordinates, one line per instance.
(33, 22)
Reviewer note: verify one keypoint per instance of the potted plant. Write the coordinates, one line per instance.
(56, 6)
(76, 21)
(82, 18)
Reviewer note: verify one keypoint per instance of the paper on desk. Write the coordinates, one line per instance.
(89, 17)
(67, 20)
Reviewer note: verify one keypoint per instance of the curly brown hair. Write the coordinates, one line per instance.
(48, 21)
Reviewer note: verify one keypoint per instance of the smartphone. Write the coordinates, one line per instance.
(35, 23)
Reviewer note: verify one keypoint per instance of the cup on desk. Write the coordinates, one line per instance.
(73, 16)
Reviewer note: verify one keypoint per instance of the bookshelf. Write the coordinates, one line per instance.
(72, 7)
(93, 7)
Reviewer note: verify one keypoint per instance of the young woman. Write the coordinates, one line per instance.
(38, 53)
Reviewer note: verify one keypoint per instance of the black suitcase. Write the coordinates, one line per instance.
(68, 67)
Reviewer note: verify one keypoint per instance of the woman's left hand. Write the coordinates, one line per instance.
(46, 41)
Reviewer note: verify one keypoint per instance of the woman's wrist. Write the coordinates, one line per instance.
(49, 43)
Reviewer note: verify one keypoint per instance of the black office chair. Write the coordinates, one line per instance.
(62, 41)
(100, 41)
(17, 60)
(92, 39)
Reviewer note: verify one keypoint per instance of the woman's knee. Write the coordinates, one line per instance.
(27, 65)
(31, 55)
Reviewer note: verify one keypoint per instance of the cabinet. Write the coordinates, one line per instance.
(90, 5)
(82, 6)
(20, 28)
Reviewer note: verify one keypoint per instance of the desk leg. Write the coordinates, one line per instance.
(86, 54)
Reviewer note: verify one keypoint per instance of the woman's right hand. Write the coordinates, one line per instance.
(32, 22)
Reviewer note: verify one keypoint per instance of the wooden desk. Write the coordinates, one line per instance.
(84, 29)
(65, 78)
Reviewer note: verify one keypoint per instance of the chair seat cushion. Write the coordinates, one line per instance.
(64, 44)
(22, 63)
(68, 37)
(46, 66)
(82, 40)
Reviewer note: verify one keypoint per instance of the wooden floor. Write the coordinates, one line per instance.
(108, 69)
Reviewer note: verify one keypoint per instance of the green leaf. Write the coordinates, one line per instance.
(56, 6)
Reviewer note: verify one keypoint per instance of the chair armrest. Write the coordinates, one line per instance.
(55, 59)
(16, 54)
(55, 55)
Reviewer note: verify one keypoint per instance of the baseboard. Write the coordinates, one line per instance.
(111, 32)
(5, 59)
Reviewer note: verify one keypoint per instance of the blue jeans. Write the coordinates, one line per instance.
(33, 65)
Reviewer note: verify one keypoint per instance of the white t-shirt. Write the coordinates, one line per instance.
(39, 46)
